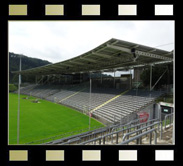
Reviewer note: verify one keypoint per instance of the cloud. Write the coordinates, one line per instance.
(60, 40)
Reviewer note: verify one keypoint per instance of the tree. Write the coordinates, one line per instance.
(27, 63)
(12, 88)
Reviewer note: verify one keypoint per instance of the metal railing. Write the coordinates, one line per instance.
(141, 135)
(120, 128)
(136, 121)
(70, 139)
(138, 136)
(107, 131)
(102, 139)
(63, 137)
(170, 116)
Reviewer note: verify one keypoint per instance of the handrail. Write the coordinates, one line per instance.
(91, 140)
(100, 130)
(135, 121)
(81, 134)
(79, 138)
(169, 115)
(140, 135)
(116, 132)
(127, 134)
(73, 140)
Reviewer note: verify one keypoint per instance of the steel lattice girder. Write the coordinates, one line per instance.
(113, 54)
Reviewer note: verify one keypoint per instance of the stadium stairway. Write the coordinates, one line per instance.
(71, 95)
(108, 101)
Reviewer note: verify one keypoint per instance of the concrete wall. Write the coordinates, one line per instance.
(152, 110)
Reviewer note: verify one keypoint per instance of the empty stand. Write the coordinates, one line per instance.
(108, 105)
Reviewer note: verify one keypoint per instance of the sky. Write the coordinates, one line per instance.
(56, 41)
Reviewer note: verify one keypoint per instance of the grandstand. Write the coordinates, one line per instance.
(108, 105)
(114, 101)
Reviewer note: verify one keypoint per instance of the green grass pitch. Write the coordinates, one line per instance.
(43, 120)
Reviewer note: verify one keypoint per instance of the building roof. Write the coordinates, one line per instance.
(113, 55)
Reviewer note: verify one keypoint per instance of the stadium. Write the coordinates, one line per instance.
(73, 103)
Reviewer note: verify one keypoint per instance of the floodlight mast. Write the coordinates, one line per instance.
(90, 102)
(18, 114)
(173, 109)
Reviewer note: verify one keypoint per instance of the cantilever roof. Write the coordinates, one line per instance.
(112, 55)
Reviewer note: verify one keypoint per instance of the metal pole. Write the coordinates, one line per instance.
(159, 79)
(59, 79)
(155, 137)
(173, 109)
(168, 79)
(130, 79)
(90, 101)
(173, 140)
(161, 133)
(150, 85)
(159, 110)
(114, 79)
(80, 78)
(137, 80)
(18, 114)
(36, 79)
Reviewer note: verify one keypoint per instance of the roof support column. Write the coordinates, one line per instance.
(42, 80)
(36, 79)
(59, 78)
(130, 79)
(101, 77)
(65, 79)
(53, 77)
(48, 77)
(80, 78)
(114, 79)
(168, 78)
(150, 85)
